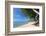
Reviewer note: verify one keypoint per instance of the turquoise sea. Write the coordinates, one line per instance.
(19, 18)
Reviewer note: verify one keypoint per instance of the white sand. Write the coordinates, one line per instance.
(27, 27)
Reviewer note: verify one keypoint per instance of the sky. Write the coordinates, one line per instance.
(18, 16)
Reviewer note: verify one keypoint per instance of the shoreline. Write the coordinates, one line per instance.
(26, 27)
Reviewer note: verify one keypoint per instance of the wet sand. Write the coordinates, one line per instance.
(27, 27)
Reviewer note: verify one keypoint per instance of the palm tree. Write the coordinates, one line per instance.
(34, 13)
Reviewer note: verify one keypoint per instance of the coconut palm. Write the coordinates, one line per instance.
(34, 13)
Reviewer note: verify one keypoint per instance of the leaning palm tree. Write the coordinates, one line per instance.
(37, 16)
(34, 13)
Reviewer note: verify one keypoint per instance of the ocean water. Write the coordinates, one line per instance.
(17, 24)
(19, 18)
(20, 23)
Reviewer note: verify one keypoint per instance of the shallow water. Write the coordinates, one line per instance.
(20, 23)
(19, 18)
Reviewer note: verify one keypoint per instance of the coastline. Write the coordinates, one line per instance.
(27, 27)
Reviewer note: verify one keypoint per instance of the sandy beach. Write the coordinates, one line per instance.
(27, 27)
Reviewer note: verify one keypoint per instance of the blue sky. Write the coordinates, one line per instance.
(18, 16)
